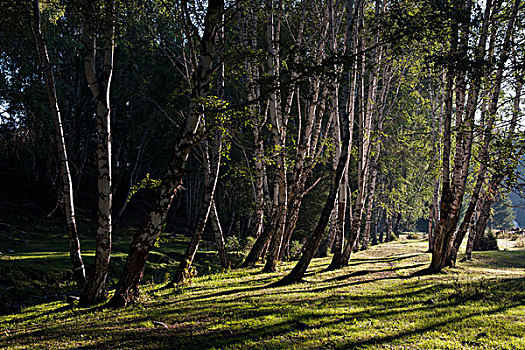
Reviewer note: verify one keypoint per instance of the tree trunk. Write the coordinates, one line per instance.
(212, 162)
(133, 177)
(249, 41)
(75, 256)
(434, 215)
(487, 198)
(368, 211)
(279, 122)
(365, 120)
(259, 182)
(389, 228)
(260, 245)
(471, 108)
(371, 191)
(145, 238)
(384, 224)
(378, 216)
(483, 219)
(449, 208)
(315, 239)
(327, 244)
(95, 290)
(219, 238)
(471, 236)
(291, 221)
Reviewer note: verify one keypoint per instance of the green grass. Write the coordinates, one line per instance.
(375, 303)
(40, 263)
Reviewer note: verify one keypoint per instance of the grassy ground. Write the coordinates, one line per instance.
(375, 303)
(35, 265)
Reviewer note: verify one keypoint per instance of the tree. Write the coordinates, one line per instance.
(143, 241)
(467, 92)
(503, 215)
(353, 15)
(489, 124)
(100, 88)
(67, 186)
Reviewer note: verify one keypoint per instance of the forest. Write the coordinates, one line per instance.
(274, 174)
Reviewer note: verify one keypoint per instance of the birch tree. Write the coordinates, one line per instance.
(100, 86)
(488, 124)
(145, 238)
(352, 11)
(279, 121)
(75, 255)
(503, 166)
(453, 187)
(211, 157)
(454, 181)
(364, 130)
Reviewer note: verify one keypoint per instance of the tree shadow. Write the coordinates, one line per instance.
(204, 329)
(385, 259)
(499, 258)
(421, 330)
(368, 272)
(215, 295)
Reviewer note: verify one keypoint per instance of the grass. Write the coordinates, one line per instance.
(40, 264)
(375, 303)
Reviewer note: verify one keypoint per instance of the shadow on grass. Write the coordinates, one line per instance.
(215, 295)
(204, 326)
(400, 335)
(498, 259)
(361, 261)
(49, 312)
(368, 272)
(384, 259)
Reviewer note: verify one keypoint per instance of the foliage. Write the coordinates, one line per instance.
(502, 213)
(488, 241)
(295, 250)
(237, 249)
(145, 183)
(190, 272)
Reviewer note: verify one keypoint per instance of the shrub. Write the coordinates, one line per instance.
(237, 249)
(488, 242)
(413, 235)
(294, 250)
(232, 243)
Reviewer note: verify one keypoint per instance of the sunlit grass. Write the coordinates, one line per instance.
(374, 303)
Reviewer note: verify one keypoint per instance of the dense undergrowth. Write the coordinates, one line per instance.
(377, 302)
